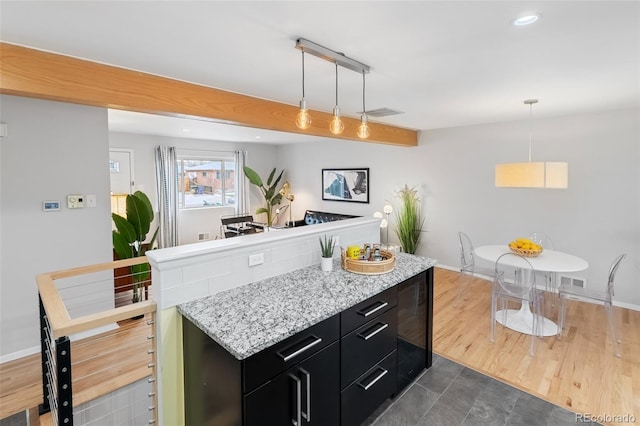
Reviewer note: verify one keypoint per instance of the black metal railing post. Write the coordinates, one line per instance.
(44, 348)
(63, 365)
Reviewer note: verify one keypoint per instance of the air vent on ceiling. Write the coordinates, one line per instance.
(382, 112)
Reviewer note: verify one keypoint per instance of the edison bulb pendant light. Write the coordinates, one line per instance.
(303, 119)
(363, 128)
(336, 126)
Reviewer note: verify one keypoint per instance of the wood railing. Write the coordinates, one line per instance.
(78, 370)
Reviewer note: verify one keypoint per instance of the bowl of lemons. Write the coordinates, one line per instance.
(525, 247)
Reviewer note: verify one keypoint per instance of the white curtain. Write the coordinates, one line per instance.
(167, 184)
(242, 202)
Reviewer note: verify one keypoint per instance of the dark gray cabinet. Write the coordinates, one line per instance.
(336, 372)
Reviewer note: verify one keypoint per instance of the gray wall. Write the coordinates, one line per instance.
(260, 157)
(53, 150)
(597, 218)
(56, 149)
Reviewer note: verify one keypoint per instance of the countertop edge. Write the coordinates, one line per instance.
(236, 326)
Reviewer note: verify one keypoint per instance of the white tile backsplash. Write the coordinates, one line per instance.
(195, 272)
(206, 269)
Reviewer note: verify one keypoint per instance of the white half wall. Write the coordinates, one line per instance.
(193, 271)
(53, 150)
(596, 218)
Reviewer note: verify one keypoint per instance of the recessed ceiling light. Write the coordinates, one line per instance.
(525, 20)
(258, 137)
(186, 130)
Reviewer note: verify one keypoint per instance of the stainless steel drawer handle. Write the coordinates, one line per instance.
(307, 376)
(298, 401)
(374, 332)
(374, 310)
(373, 382)
(301, 350)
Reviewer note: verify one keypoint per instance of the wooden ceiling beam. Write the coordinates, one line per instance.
(37, 74)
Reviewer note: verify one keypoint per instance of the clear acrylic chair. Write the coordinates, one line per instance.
(467, 267)
(521, 288)
(542, 239)
(549, 277)
(604, 297)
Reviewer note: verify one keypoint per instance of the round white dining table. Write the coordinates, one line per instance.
(548, 261)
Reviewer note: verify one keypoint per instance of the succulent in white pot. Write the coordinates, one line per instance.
(327, 246)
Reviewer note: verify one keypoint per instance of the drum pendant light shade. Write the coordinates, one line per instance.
(554, 175)
(550, 175)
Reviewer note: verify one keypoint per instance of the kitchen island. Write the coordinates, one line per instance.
(307, 346)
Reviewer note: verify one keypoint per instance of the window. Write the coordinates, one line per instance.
(206, 182)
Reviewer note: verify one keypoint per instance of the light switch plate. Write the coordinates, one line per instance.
(91, 201)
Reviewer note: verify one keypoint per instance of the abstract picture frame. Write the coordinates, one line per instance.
(346, 184)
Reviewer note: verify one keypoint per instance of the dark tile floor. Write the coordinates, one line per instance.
(449, 394)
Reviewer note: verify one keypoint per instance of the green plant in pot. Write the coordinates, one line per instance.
(272, 196)
(327, 246)
(130, 234)
(409, 222)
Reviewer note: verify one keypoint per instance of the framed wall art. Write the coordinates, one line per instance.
(346, 185)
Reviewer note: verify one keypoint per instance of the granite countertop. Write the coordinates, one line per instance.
(250, 318)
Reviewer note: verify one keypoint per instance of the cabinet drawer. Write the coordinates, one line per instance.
(270, 362)
(367, 345)
(370, 390)
(357, 315)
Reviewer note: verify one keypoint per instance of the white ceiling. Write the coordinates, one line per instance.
(444, 63)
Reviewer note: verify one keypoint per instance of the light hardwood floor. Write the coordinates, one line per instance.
(580, 372)
(100, 364)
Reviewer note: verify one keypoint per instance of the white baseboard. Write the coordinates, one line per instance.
(19, 354)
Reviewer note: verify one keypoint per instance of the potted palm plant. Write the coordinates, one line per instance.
(272, 197)
(326, 251)
(409, 222)
(129, 237)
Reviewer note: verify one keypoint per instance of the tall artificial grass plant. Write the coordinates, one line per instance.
(409, 220)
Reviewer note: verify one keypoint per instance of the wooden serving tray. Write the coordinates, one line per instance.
(366, 267)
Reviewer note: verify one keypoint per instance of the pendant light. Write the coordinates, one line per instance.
(303, 119)
(337, 126)
(363, 128)
(553, 175)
